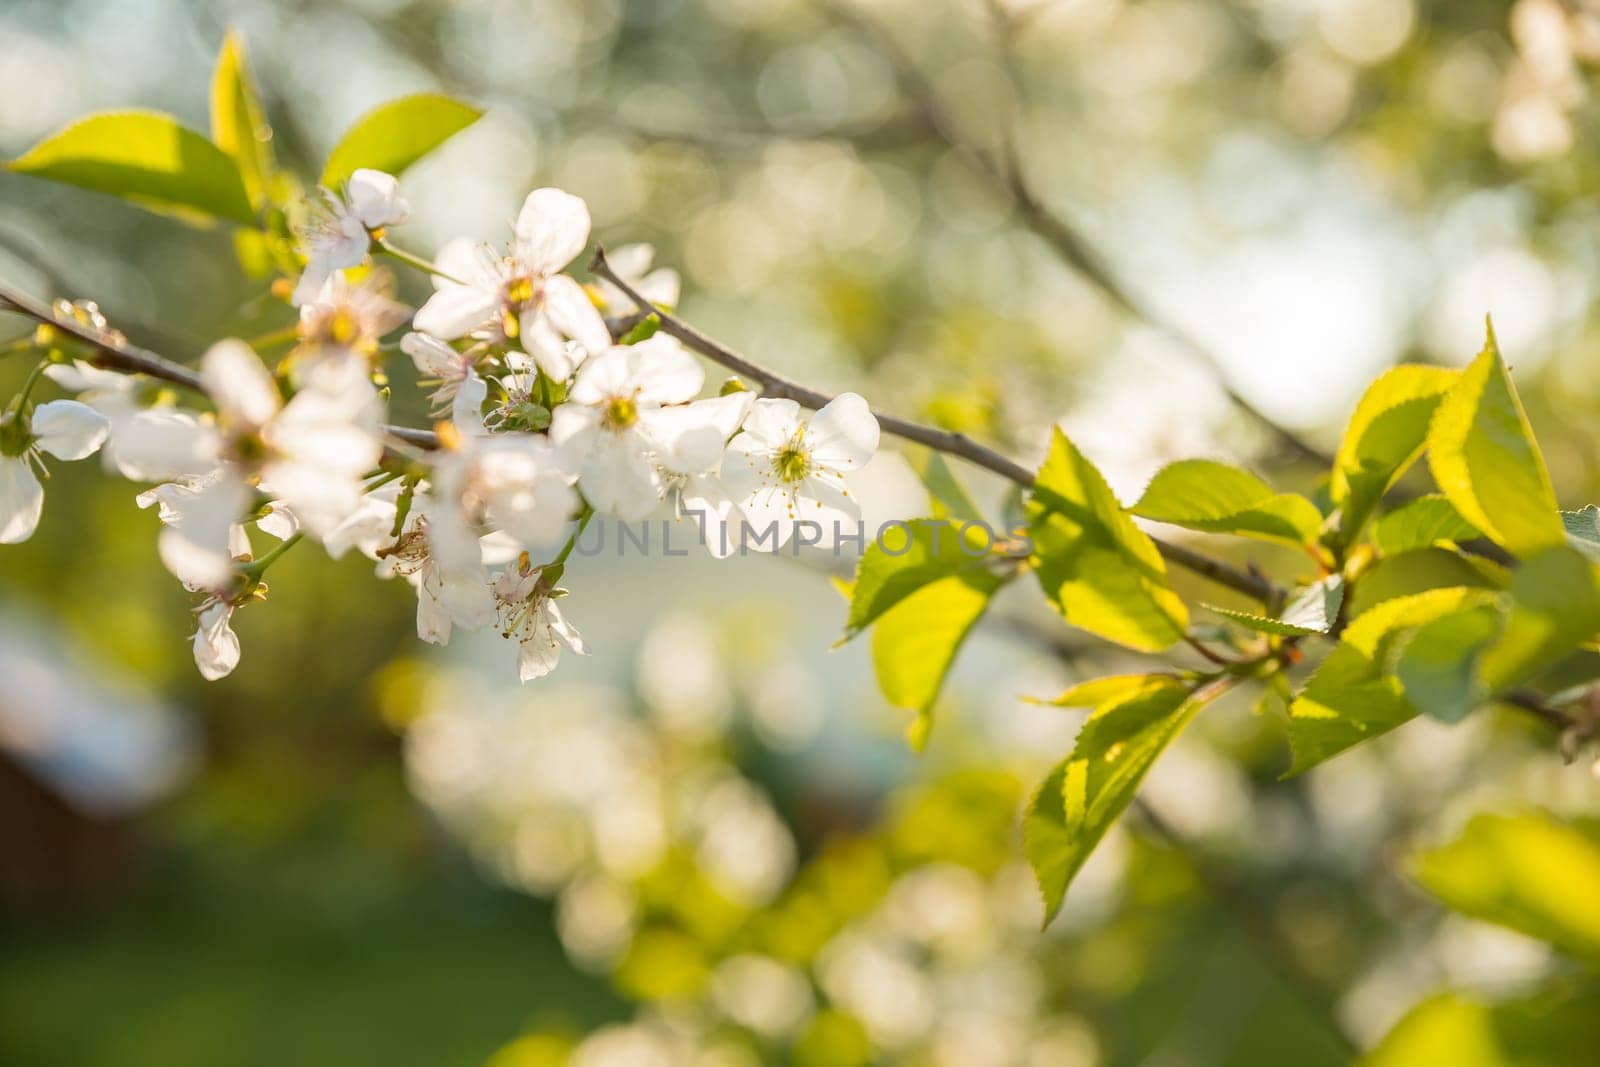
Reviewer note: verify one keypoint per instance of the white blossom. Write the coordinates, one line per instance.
(529, 613)
(440, 363)
(522, 295)
(341, 229)
(347, 319)
(216, 646)
(690, 441)
(144, 444)
(608, 420)
(65, 429)
(784, 469)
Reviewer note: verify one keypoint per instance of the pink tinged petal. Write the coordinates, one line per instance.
(456, 310)
(573, 315)
(844, 434)
(374, 199)
(433, 358)
(346, 246)
(239, 383)
(551, 229)
(618, 477)
(216, 646)
(69, 430)
(770, 425)
(21, 500)
(433, 621)
(667, 373)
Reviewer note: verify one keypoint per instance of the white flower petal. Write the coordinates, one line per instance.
(456, 310)
(770, 425)
(843, 435)
(216, 646)
(239, 383)
(374, 198)
(69, 430)
(21, 500)
(665, 371)
(618, 478)
(161, 443)
(551, 229)
(573, 315)
(463, 261)
(433, 358)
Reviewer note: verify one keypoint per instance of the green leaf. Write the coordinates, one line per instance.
(144, 157)
(949, 497)
(395, 135)
(1555, 607)
(1353, 696)
(1421, 570)
(1484, 458)
(1117, 687)
(1438, 668)
(1583, 530)
(1201, 494)
(1548, 1030)
(906, 558)
(1384, 437)
(915, 643)
(1312, 611)
(1528, 872)
(1421, 523)
(238, 122)
(1087, 791)
(1101, 571)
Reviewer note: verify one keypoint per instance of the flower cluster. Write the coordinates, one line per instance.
(548, 417)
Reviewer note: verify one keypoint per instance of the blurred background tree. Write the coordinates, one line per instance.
(1143, 219)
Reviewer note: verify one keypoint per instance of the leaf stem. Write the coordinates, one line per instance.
(256, 568)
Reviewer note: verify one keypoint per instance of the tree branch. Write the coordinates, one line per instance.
(1006, 175)
(115, 354)
(949, 442)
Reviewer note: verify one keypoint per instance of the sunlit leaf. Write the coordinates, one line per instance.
(1529, 872)
(1313, 611)
(147, 158)
(1095, 565)
(1421, 523)
(949, 498)
(1201, 494)
(1384, 437)
(1484, 458)
(1098, 691)
(395, 135)
(1459, 1031)
(1086, 792)
(238, 122)
(1438, 668)
(915, 643)
(1555, 606)
(906, 558)
(1353, 697)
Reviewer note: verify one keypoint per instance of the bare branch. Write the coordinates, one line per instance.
(1005, 173)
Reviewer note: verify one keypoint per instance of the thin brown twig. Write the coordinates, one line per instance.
(949, 442)
(1006, 174)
